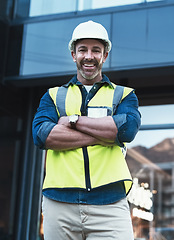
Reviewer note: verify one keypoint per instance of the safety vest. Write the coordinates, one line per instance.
(87, 167)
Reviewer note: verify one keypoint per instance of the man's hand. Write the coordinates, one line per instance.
(64, 121)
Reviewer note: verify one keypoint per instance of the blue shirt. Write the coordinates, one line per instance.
(127, 120)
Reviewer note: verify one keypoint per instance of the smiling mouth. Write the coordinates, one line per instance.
(89, 65)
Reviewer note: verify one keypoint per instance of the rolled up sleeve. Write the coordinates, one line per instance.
(127, 119)
(44, 120)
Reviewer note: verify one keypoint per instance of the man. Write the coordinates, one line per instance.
(84, 125)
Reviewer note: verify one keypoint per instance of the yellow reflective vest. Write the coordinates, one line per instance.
(93, 166)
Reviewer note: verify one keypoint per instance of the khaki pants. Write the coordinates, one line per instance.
(64, 221)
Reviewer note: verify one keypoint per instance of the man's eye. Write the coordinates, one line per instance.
(96, 51)
(81, 50)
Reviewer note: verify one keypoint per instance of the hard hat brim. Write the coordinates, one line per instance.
(72, 43)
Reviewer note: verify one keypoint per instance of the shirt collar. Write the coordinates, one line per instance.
(74, 80)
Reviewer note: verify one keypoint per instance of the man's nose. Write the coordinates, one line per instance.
(89, 55)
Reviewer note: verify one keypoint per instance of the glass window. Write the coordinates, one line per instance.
(145, 139)
(129, 38)
(43, 7)
(114, 3)
(45, 46)
(136, 43)
(150, 160)
(154, 115)
(162, 114)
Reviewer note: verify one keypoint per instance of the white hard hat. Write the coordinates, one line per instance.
(90, 29)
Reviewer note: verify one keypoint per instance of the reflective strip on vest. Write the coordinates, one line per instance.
(67, 169)
(118, 93)
(53, 94)
(60, 100)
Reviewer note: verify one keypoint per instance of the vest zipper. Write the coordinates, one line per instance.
(86, 165)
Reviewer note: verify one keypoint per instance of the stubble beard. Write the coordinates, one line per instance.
(86, 76)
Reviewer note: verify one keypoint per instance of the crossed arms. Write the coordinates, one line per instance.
(88, 132)
(50, 132)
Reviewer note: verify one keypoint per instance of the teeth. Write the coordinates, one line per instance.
(88, 65)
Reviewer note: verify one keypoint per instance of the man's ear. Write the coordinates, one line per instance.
(105, 56)
(73, 56)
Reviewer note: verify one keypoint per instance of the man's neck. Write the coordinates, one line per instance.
(89, 81)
